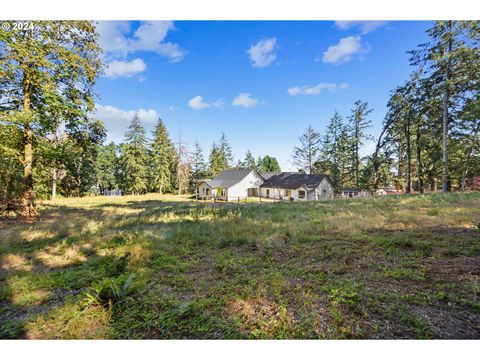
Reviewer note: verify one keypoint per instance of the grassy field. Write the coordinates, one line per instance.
(158, 267)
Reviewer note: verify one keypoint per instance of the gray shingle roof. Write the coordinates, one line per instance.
(289, 180)
(351, 189)
(268, 175)
(227, 178)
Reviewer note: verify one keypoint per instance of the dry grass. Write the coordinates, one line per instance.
(160, 266)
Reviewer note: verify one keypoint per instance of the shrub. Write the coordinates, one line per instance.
(109, 291)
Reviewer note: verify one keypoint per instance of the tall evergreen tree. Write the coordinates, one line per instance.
(249, 161)
(198, 168)
(134, 158)
(451, 59)
(162, 157)
(332, 149)
(215, 161)
(358, 123)
(225, 151)
(305, 155)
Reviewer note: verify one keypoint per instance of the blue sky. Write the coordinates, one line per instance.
(262, 83)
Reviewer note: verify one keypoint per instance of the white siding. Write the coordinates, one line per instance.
(273, 192)
(319, 191)
(240, 189)
(202, 190)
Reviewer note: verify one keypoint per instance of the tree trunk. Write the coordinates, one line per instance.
(409, 158)
(27, 199)
(445, 142)
(356, 158)
(445, 187)
(54, 185)
(466, 167)
(419, 162)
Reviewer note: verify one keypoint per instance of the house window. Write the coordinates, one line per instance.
(208, 191)
(301, 194)
(203, 191)
(324, 191)
(268, 193)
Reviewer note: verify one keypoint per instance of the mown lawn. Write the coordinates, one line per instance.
(155, 267)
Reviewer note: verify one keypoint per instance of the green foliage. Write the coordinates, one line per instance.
(305, 155)
(46, 84)
(164, 158)
(269, 164)
(198, 168)
(134, 159)
(109, 291)
(107, 167)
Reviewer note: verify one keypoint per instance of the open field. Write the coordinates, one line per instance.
(156, 267)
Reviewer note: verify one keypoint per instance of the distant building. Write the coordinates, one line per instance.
(238, 184)
(388, 190)
(295, 186)
(230, 185)
(353, 192)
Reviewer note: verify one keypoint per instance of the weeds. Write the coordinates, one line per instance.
(109, 291)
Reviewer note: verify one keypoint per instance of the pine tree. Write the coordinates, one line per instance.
(358, 123)
(134, 158)
(249, 161)
(451, 59)
(332, 147)
(305, 155)
(198, 168)
(162, 149)
(215, 161)
(225, 152)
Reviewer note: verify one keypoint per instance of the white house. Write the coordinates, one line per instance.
(295, 186)
(353, 193)
(231, 185)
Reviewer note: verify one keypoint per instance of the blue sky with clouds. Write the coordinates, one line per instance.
(262, 83)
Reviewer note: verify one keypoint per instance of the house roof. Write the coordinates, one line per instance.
(227, 178)
(351, 189)
(268, 175)
(290, 180)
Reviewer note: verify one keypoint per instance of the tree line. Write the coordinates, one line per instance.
(139, 165)
(430, 136)
(50, 143)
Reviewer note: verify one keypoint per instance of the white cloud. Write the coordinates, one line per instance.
(116, 40)
(317, 89)
(364, 26)
(344, 50)
(117, 120)
(110, 113)
(116, 68)
(245, 100)
(197, 103)
(263, 53)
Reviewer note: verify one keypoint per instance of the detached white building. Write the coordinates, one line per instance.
(295, 186)
(353, 193)
(231, 185)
